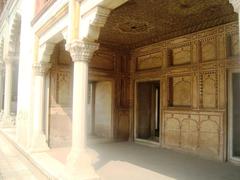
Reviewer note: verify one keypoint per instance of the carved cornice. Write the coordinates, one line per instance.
(235, 4)
(40, 69)
(81, 50)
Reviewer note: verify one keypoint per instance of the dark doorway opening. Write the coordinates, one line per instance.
(236, 115)
(148, 110)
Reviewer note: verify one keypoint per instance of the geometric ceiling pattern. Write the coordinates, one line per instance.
(141, 22)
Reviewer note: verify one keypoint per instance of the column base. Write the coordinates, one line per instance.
(7, 121)
(38, 143)
(79, 167)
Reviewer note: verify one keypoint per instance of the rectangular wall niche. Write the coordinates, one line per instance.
(180, 91)
(232, 45)
(209, 49)
(151, 61)
(180, 56)
(208, 89)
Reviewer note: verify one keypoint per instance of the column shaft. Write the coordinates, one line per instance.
(79, 105)
(38, 142)
(79, 162)
(38, 104)
(1, 87)
(7, 119)
(8, 89)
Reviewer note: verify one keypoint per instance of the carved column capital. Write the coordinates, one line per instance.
(81, 50)
(40, 69)
(236, 5)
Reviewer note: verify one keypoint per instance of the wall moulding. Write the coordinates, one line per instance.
(52, 21)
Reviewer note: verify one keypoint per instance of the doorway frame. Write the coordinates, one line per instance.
(139, 140)
(113, 117)
(231, 158)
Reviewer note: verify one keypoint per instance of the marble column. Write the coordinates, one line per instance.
(7, 119)
(38, 141)
(79, 162)
(1, 86)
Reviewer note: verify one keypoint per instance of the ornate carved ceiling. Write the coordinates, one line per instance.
(142, 22)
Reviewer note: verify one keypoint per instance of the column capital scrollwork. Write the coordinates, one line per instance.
(236, 5)
(41, 68)
(81, 50)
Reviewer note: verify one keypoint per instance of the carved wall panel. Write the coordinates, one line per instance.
(208, 89)
(198, 87)
(151, 61)
(181, 90)
(64, 90)
(199, 132)
(123, 124)
(102, 61)
(209, 49)
(103, 109)
(232, 44)
(181, 55)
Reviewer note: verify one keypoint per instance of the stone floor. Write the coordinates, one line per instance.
(119, 161)
(14, 166)
(130, 161)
